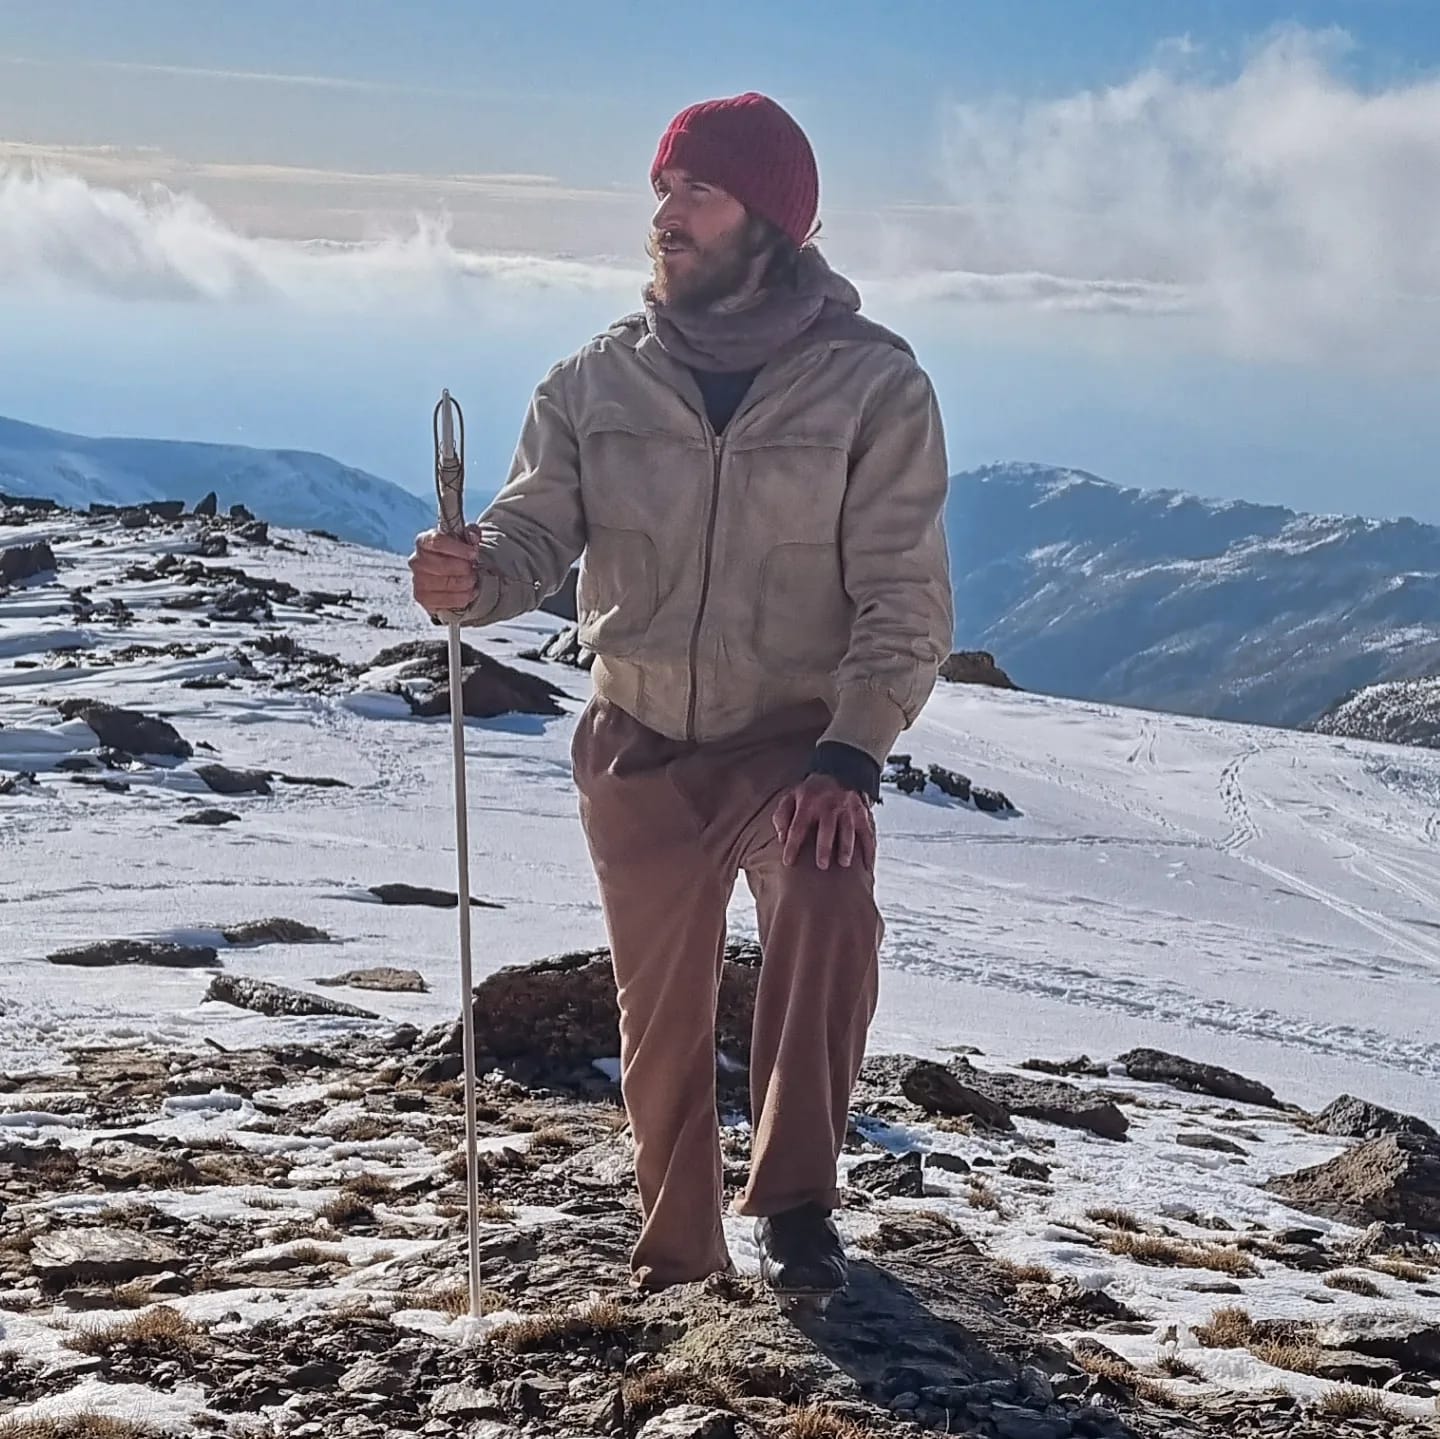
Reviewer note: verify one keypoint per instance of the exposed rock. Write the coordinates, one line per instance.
(938, 1090)
(398, 981)
(423, 895)
(136, 518)
(1082, 1068)
(1050, 1100)
(274, 931)
(1154, 1066)
(89, 1256)
(164, 509)
(319, 781)
(489, 688)
(224, 780)
(377, 621)
(276, 999)
(1022, 1168)
(1352, 1118)
(900, 773)
(564, 648)
(209, 817)
(1409, 1340)
(208, 506)
(975, 667)
(137, 951)
(896, 1176)
(1215, 1143)
(128, 730)
(949, 782)
(256, 532)
(564, 1009)
(241, 513)
(1395, 1179)
(690, 1421)
(23, 562)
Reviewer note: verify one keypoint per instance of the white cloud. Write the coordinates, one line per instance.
(1298, 209)
(61, 235)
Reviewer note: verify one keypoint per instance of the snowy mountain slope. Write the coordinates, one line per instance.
(1259, 898)
(1159, 599)
(1266, 898)
(286, 487)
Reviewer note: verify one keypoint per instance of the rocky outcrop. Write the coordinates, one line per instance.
(137, 951)
(564, 648)
(24, 562)
(975, 667)
(1155, 1066)
(276, 999)
(564, 1011)
(1351, 1118)
(423, 895)
(128, 730)
(1397, 712)
(1049, 1100)
(488, 688)
(224, 780)
(383, 977)
(989, 1098)
(908, 779)
(207, 507)
(273, 931)
(212, 817)
(1395, 1180)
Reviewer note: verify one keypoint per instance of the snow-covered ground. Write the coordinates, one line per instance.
(1262, 899)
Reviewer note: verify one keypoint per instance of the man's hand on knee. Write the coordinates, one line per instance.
(839, 816)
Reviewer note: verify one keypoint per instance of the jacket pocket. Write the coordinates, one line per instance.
(803, 616)
(618, 591)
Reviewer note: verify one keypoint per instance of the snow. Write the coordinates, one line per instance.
(1257, 898)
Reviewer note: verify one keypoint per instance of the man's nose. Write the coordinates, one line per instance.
(668, 212)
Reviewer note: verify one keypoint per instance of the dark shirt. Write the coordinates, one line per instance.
(723, 393)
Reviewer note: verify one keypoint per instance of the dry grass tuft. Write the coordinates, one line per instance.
(814, 1421)
(552, 1137)
(604, 1322)
(368, 1185)
(1351, 1402)
(454, 1299)
(267, 1202)
(75, 1426)
(1296, 1356)
(651, 1393)
(160, 1328)
(1178, 1254)
(1174, 1367)
(1353, 1284)
(346, 1209)
(1229, 1328)
(982, 1196)
(134, 1295)
(1402, 1269)
(1025, 1273)
(1121, 1219)
(313, 1253)
(364, 1128)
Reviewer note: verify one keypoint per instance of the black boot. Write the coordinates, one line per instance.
(800, 1253)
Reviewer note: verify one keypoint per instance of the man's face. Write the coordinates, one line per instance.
(702, 242)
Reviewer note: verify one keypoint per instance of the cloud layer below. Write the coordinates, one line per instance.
(1280, 212)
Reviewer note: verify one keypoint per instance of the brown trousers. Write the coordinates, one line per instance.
(670, 825)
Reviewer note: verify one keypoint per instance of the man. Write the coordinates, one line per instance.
(755, 475)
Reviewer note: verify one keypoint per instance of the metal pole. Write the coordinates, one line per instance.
(450, 491)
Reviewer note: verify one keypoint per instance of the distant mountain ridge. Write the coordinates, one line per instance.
(286, 487)
(1163, 600)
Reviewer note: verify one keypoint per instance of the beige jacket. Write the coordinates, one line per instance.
(800, 555)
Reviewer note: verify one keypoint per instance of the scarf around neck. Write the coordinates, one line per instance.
(747, 336)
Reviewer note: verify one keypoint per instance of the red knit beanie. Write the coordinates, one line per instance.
(753, 150)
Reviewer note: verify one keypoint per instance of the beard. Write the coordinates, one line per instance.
(709, 273)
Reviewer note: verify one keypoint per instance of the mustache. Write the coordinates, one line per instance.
(671, 237)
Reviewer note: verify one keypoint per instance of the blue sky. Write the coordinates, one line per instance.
(1173, 243)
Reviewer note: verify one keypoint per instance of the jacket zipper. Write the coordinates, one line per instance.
(716, 444)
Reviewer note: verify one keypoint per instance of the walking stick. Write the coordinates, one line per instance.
(450, 492)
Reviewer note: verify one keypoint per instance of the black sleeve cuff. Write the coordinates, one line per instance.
(852, 767)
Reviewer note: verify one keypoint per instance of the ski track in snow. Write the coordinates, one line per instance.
(1257, 896)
